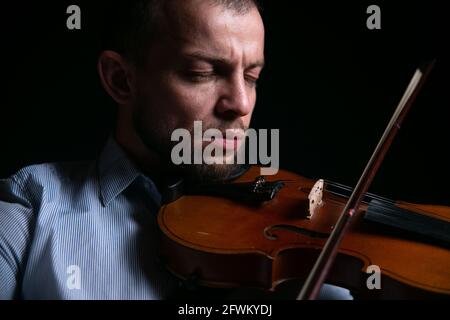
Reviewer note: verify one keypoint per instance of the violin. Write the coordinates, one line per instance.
(226, 243)
(258, 232)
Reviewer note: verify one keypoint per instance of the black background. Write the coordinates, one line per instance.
(330, 86)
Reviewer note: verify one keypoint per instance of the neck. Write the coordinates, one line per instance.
(148, 161)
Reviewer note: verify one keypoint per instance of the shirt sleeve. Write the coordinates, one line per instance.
(16, 225)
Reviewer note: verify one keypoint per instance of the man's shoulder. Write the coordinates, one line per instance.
(55, 174)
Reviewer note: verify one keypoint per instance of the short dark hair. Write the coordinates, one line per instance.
(130, 26)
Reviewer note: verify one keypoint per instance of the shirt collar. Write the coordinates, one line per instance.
(116, 172)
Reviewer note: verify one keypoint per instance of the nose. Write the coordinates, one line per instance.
(235, 99)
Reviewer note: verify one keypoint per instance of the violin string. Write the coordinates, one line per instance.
(369, 195)
(349, 189)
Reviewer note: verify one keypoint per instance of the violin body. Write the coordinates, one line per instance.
(225, 243)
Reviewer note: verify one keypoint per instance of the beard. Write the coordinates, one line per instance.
(215, 173)
(158, 140)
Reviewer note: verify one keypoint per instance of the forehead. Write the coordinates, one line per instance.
(201, 25)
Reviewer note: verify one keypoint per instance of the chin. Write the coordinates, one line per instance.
(213, 173)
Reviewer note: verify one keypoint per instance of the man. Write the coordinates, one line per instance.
(88, 230)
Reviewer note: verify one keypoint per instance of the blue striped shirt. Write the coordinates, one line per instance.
(81, 231)
(87, 231)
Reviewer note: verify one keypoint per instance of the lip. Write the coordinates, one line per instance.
(227, 144)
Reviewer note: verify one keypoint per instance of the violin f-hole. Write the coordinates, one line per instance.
(268, 232)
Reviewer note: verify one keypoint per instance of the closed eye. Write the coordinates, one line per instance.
(200, 76)
(252, 81)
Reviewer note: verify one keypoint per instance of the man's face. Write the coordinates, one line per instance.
(205, 69)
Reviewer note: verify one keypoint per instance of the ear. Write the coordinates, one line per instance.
(117, 77)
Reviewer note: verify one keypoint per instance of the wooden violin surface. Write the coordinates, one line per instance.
(225, 243)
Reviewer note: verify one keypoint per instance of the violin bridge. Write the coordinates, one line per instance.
(315, 198)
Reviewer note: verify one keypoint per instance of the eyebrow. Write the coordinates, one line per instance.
(223, 61)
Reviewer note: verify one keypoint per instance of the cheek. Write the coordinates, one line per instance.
(246, 120)
(174, 104)
(191, 102)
